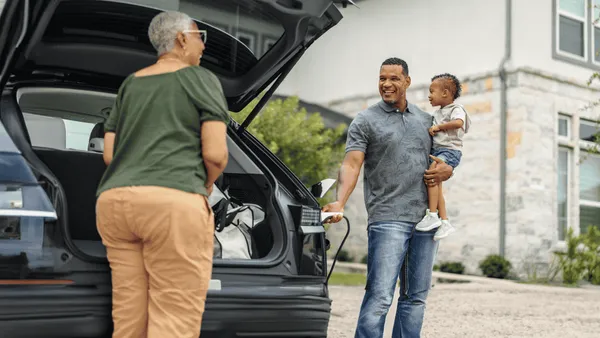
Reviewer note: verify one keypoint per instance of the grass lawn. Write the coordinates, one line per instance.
(348, 279)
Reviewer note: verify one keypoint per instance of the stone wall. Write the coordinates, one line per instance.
(473, 194)
(534, 104)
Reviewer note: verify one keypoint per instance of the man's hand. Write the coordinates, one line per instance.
(334, 207)
(433, 130)
(440, 173)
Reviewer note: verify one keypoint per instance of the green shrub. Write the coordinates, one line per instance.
(436, 268)
(570, 261)
(495, 266)
(344, 256)
(452, 267)
(581, 260)
(590, 255)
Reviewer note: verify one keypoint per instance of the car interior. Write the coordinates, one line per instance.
(64, 130)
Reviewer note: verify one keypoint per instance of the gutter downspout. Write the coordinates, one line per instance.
(503, 128)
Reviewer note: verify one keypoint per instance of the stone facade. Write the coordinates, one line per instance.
(473, 194)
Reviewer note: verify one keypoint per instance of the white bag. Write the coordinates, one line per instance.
(233, 226)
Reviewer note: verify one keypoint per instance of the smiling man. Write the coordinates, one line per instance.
(392, 140)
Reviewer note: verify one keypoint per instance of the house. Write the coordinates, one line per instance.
(527, 174)
(524, 67)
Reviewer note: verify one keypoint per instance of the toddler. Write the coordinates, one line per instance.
(450, 123)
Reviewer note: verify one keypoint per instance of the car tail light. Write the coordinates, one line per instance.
(24, 210)
(307, 219)
(20, 192)
(25, 200)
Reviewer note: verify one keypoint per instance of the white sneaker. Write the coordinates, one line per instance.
(429, 222)
(444, 230)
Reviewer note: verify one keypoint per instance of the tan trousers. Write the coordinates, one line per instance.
(159, 243)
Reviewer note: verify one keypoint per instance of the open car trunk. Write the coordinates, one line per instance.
(54, 46)
(59, 123)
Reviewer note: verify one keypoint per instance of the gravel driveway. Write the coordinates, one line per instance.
(502, 309)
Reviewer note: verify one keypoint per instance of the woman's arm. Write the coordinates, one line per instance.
(109, 145)
(214, 150)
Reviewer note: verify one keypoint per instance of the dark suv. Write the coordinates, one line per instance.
(62, 62)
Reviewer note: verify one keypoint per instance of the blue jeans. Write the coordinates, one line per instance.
(450, 156)
(396, 251)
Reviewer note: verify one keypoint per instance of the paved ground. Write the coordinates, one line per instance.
(487, 309)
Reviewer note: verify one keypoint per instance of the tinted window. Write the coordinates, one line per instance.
(57, 133)
(235, 31)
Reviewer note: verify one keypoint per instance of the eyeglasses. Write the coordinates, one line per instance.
(203, 34)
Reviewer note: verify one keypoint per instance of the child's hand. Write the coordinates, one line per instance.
(433, 130)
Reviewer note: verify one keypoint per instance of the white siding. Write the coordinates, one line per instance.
(434, 36)
(532, 40)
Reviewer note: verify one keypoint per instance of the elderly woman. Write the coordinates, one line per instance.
(165, 145)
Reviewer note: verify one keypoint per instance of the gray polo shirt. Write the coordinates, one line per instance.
(397, 147)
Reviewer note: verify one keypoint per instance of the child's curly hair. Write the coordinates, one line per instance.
(451, 83)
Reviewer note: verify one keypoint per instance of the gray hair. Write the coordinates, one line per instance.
(164, 27)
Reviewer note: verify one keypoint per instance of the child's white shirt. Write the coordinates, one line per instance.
(451, 139)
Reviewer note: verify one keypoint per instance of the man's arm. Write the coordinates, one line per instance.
(348, 175)
(347, 178)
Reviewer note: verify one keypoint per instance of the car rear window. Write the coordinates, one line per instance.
(58, 133)
(239, 34)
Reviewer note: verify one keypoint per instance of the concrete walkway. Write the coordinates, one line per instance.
(487, 308)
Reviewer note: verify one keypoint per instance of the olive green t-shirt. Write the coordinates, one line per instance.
(157, 121)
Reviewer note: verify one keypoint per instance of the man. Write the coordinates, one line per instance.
(392, 139)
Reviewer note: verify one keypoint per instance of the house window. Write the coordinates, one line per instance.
(588, 131)
(564, 125)
(577, 32)
(596, 22)
(572, 21)
(577, 149)
(563, 192)
(248, 39)
(589, 191)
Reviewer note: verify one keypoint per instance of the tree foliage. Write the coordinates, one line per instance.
(300, 139)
